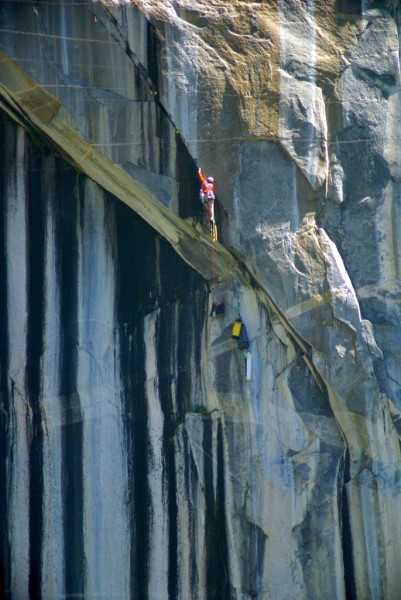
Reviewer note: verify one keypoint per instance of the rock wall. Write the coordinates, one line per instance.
(137, 459)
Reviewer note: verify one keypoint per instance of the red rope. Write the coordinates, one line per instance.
(225, 276)
(214, 299)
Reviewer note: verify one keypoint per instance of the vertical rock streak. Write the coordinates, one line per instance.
(71, 424)
(52, 404)
(105, 518)
(34, 352)
(158, 485)
(17, 403)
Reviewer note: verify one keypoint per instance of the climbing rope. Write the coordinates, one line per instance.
(218, 302)
(214, 291)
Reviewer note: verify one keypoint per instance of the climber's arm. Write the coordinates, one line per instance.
(202, 179)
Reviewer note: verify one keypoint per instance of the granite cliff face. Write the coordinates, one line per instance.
(137, 460)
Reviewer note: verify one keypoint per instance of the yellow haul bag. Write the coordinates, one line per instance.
(236, 329)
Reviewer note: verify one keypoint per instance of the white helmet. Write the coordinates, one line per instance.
(210, 179)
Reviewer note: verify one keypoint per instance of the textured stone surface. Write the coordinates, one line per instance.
(137, 458)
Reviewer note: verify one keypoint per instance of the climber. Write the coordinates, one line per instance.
(207, 189)
(207, 198)
(239, 333)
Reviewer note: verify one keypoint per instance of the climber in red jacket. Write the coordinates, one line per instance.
(207, 189)
(207, 198)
